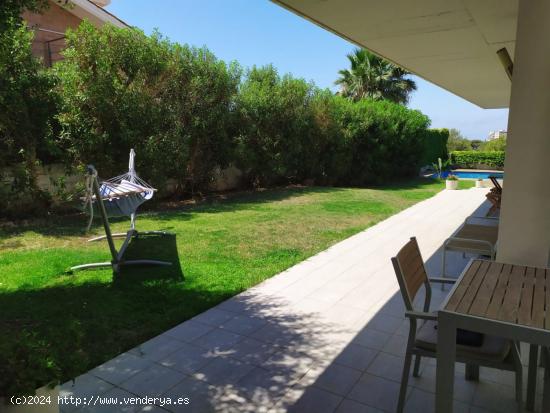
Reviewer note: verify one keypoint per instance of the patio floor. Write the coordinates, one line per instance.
(326, 335)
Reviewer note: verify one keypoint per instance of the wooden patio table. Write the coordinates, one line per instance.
(504, 300)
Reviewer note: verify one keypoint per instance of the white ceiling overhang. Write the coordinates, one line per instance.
(451, 43)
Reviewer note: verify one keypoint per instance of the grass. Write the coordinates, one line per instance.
(56, 326)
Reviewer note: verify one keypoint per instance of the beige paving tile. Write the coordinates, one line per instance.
(264, 388)
(493, 396)
(152, 381)
(250, 351)
(371, 338)
(355, 356)
(351, 406)
(343, 315)
(325, 335)
(396, 345)
(189, 358)
(384, 322)
(120, 368)
(315, 400)
(376, 392)
(292, 363)
(281, 333)
(114, 401)
(217, 338)
(188, 331)
(463, 391)
(335, 378)
(310, 306)
(84, 386)
(201, 397)
(214, 317)
(152, 409)
(421, 401)
(387, 366)
(223, 371)
(244, 324)
(157, 348)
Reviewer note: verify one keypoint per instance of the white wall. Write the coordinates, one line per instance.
(524, 235)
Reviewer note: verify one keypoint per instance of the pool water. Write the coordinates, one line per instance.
(471, 175)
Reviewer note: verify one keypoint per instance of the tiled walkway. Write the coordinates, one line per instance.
(326, 335)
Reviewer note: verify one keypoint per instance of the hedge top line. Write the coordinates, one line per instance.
(471, 159)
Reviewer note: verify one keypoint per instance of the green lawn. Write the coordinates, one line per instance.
(56, 326)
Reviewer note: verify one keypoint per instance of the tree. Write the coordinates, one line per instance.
(373, 77)
(457, 142)
(11, 10)
(122, 89)
(274, 121)
(495, 145)
(27, 108)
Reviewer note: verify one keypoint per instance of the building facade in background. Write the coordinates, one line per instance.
(496, 135)
(50, 26)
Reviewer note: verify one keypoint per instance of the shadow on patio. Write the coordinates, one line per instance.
(326, 335)
(365, 376)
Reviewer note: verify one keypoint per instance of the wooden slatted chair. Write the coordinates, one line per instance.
(495, 199)
(496, 184)
(472, 349)
(494, 196)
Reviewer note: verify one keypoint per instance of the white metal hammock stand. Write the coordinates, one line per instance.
(121, 195)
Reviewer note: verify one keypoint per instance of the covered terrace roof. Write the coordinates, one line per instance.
(451, 43)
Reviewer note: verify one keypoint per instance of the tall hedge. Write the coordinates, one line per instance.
(291, 131)
(122, 89)
(384, 141)
(274, 116)
(476, 159)
(188, 114)
(27, 108)
(434, 146)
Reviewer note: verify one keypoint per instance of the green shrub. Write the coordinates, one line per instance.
(434, 146)
(188, 114)
(332, 157)
(474, 159)
(384, 140)
(122, 89)
(291, 131)
(457, 142)
(27, 109)
(274, 117)
(495, 145)
(12, 10)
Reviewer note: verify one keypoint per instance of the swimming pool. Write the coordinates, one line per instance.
(471, 174)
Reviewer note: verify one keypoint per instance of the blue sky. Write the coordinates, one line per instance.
(260, 32)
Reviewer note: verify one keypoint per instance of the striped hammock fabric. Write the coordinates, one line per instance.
(121, 195)
(123, 199)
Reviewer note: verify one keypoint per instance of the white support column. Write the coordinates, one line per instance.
(524, 234)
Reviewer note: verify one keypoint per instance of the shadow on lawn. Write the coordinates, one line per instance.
(59, 332)
(151, 247)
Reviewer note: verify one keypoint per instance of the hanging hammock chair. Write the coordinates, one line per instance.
(118, 196)
(122, 196)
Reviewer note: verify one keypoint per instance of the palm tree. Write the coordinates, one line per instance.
(373, 77)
